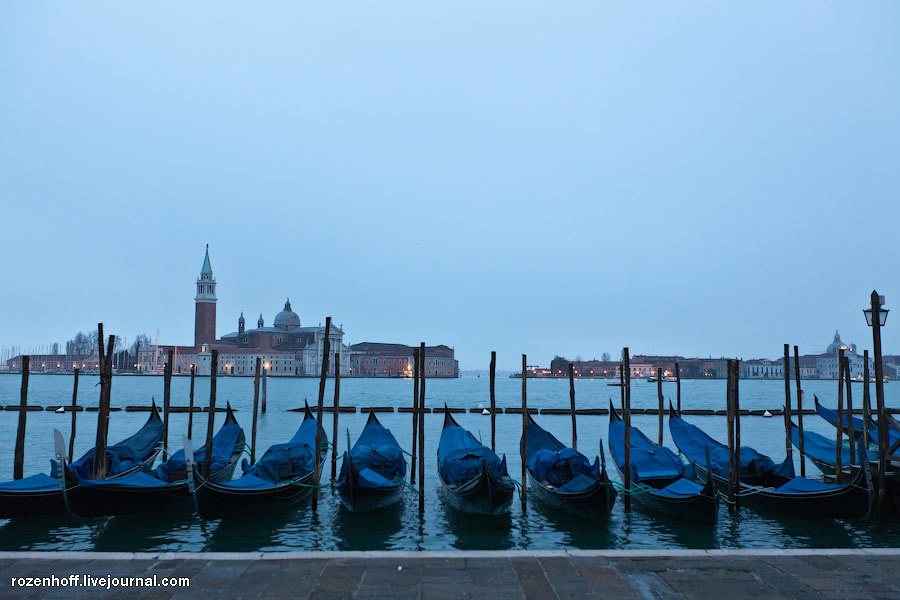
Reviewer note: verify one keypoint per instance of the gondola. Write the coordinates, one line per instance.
(42, 494)
(822, 451)
(284, 476)
(832, 417)
(473, 477)
(669, 487)
(164, 488)
(372, 471)
(773, 487)
(564, 478)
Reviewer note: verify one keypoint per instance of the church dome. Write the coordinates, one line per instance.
(836, 345)
(287, 319)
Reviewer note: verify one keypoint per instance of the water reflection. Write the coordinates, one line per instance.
(370, 530)
(51, 532)
(573, 531)
(258, 532)
(177, 530)
(477, 532)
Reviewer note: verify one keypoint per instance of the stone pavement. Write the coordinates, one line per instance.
(687, 574)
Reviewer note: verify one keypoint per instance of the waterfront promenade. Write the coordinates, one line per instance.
(497, 575)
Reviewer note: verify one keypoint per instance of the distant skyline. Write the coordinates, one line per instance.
(698, 179)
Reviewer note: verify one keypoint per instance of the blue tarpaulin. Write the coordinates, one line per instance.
(461, 457)
(377, 457)
(224, 443)
(552, 463)
(648, 459)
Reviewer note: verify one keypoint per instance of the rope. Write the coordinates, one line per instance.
(407, 484)
(513, 481)
(635, 491)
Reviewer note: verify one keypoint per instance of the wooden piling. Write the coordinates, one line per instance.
(572, 405)
(622, 386)
(799, 410)
(191, 402)
(729, 408)
(19, 454)
(879, 404)
(256, 376)
(74, 418)
(415, 416)
(423, 363)
(524, 431)
(867, 399)
(265, 389)
(788, 449)
(494, 402)
(625, 375)
(838, 471)
(319, 408)
(678, 387)
(211, 419)
(167, 399)
(105, 365)
(737, 433)
(336, 414)
(850, 433)
(659, 395)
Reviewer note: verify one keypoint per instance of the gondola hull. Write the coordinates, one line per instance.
(214, 501)
(359, 498)
(482, 495)
(596, 502)
(31, 503)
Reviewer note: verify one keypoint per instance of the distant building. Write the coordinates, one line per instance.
(375, 359)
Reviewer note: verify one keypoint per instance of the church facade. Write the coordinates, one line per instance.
(286, 348)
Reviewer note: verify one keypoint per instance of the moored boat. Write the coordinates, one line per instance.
(372, 470)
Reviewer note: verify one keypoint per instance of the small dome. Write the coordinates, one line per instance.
(287, 319)
(836, 345)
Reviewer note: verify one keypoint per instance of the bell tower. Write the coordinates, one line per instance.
(205, 305)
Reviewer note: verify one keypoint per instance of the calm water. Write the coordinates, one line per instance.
(333, 528)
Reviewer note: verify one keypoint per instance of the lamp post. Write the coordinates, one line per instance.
(875, 318)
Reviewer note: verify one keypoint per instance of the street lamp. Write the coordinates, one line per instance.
(875, 318)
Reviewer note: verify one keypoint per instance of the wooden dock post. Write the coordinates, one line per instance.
(105, 363)
(626, 414)
(417, 366)
(729, 416)
(326, 343)
(191, 402)
(19, 454)
(423, 363)
(799, 410)
(256, 375)
(622, 386)
(335, 413)
(524, 432)
(167, 399)
(678, 387)
(839, 465)
(493, 402)
(572, 405)
(850, 433)
(737, 434)
(74, 418)
(659, 396)
(876, 301)
(265, 389)
(788, 449)
(211, 419)
(867, 399)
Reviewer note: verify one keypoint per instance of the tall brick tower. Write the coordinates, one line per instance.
(205, 305)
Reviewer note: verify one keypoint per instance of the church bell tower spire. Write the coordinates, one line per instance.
(205, 305)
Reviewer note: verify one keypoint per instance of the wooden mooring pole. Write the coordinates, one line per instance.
(417, 365)
(867, 399)
(256, 376)
(19, 454)
(74, 418)
(659, 396)
(524, 431)
(850, 433)
(336, 413)
(799, 410)
(493, 402)
(265, 389)
(787, 402)
(729, 416)
(737, 433)
(423, 364)
(167, 399)
(626, 414)
(211, 418)
(191, 402)
(622, 386)
(105, 364)
(879, 404)
(838, 450)
(572, 405)
(319, 408)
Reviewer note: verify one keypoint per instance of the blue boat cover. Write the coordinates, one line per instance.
(831, 416)
(461, 458)
(137, 479)
(224, 443)
(552, 463)
(820, 448)
(802, 485)
(35, 483)
(680, 488)
(648, 459)
(695, 444)
(292, 460)
(377, 457)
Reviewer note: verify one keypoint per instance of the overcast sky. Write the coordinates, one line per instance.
(540, 178)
